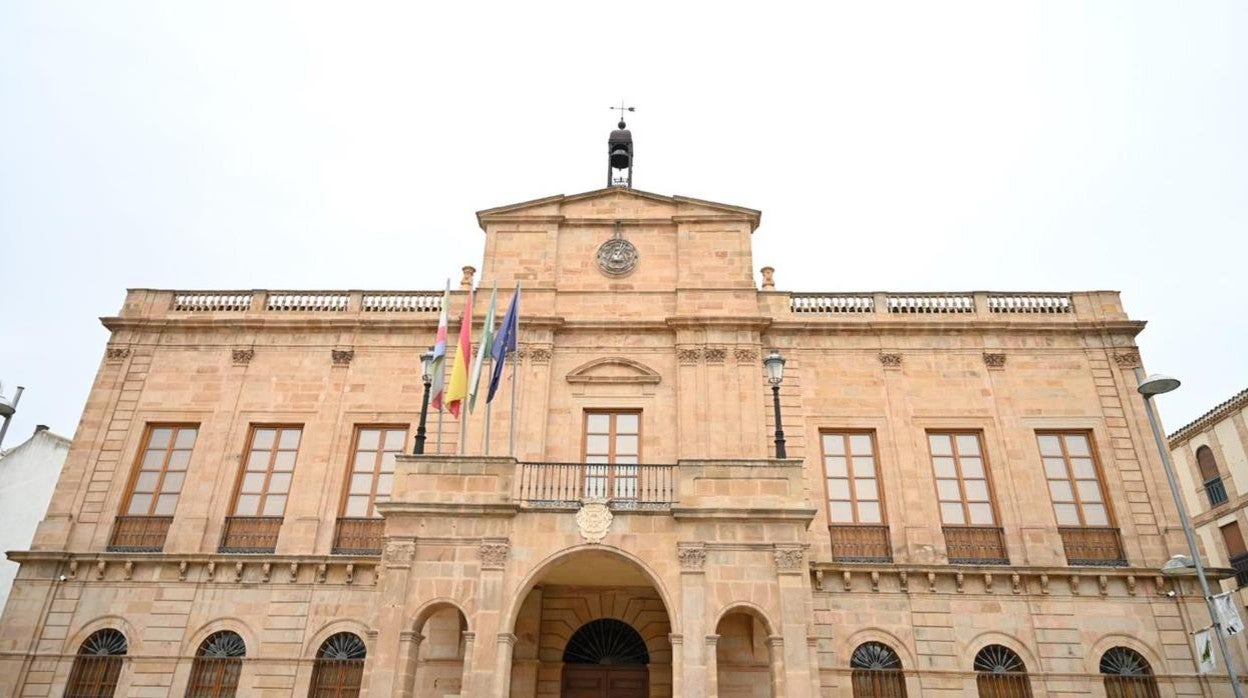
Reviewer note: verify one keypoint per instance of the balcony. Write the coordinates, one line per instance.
(1240, 563)
(250, 534)
(1095, 546)
(860, 543)
(1216, 490)
(566, 485)
(139, 534)
(976, 545)
(358, 536)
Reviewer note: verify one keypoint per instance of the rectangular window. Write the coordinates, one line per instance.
(270, 464)
(1236, 551)
(161, 470)
(612, 438)
(849, 465)
(961, 479)
(372, 469)
(1074, 483)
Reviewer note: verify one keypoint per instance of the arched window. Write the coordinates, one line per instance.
(1209, 473)
(218, 662)
(339, 667)
(877, 672)
(1001, 674)
(1128, 675)
(97, 665)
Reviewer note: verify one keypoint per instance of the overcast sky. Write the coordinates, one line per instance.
(934, 146)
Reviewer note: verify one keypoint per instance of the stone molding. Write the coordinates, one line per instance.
(242, 357)
(688, 356)
(1127, 359)
(745, 355)
(995, 361)
(116, 353)
(642, 373)
(715, 354)
(985, 580)
(890, 360)
(540, 355)
(223, 568)
(493, 554)
(342, 357)
(692, 556)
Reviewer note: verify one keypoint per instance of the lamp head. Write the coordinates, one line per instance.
(426, 365)
(774, 363)
(1157, 384)
(1178, 565)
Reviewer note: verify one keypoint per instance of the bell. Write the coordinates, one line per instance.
(619, 158)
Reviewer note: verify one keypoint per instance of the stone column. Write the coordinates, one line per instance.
(493, 553)
(405, 668)
(465, 683)
(678, 663)
(389, 649)
(791, 653)
(812, 650)
(502, 665)
(775, 645)
(712, 666)
(693, 617)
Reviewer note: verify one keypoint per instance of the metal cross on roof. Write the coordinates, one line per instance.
(621, 109)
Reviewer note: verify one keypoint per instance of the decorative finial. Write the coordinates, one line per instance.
(621, 109)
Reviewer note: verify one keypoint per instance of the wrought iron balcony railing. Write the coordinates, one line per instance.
(250, 534)
(1240, 563)
(139, 534)
(976, 545)
(1089, 545)
(358, 536)
(860, 543)
(566, 485)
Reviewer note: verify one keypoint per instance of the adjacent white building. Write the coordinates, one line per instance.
(28, 474)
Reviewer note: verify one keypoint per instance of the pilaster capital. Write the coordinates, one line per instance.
(507, 639)
(790, 559)
(712, 640)
(775, 641)
(692, 556)
(676, 639)
(493, 553)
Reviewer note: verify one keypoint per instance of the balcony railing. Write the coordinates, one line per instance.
(566, 485)
(1216, 489)
(976, 545)
(1086, 545)
(250, 534)
(358, 536)
(139, 534)
(860, 543)
(1240, 563)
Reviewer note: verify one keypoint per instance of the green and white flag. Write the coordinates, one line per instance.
(1204, 650)
(487, 339)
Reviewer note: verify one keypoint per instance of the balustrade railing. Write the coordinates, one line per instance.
(1240, 563)
(934, 303)
(976, 545)
(566, 485)
(1088, 545)
(250, 534)
(358, 536)
(208, 301)
(860, 543)
(139, 534)
(1032, 303)
(836, 303)
(402, 302)
(307, 302)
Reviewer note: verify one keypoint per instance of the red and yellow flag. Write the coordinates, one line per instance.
(457, 391)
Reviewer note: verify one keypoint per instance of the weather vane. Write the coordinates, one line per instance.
(621, 109)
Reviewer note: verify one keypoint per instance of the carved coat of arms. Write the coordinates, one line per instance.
(594, 520)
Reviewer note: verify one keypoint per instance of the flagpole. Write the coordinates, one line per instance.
(511, 439)
(463, 428)
(440, 415)
(487, 413)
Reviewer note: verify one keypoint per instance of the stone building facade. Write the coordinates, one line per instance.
(970, 498)
(1211, 459)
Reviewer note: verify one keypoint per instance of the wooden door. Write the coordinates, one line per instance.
(597, 681)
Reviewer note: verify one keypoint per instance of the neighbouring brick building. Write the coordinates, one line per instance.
(971, 498)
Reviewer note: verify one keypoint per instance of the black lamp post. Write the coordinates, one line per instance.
(774, 363)
(426, 366)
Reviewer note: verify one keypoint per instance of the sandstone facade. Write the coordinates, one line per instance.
(717, 556)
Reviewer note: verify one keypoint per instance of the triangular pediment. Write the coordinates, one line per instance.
(615, 203)
(613, 369)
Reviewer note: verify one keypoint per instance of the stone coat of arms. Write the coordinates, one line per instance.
(594, 520)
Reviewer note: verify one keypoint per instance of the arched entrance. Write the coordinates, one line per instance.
(606, 658)
(591, 622)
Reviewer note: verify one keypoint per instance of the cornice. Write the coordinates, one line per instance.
(1221, 411)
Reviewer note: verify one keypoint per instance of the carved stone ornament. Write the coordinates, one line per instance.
(493, 555)
(692, 557)
(994, 360)
(116, 353)
(745, 356)
(789, 559)
(594, 520)
(715, 355)
(617, 257)
(400, 552)
(342, 357)
(688, 355)
(1127, 359)
(540, 355)
(890, 360)
(244, 356)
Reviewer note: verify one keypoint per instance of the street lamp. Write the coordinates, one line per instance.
(426, 370)
(8, 409)
(774, 363)
(1156, 385)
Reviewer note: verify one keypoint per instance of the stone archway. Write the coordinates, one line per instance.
(443, 651)
(573, 593)
(606, 658)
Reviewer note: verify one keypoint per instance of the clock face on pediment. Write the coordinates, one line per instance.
(617, 257)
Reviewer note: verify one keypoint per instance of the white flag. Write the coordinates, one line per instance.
(1204, 650)
(1228, 612)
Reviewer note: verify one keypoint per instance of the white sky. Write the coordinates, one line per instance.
(935, 146)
